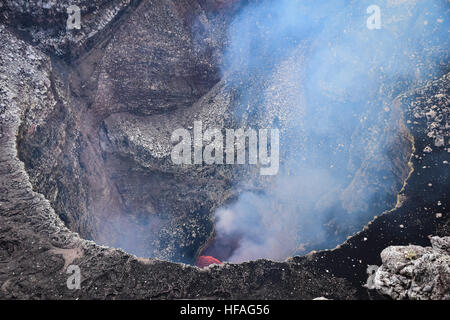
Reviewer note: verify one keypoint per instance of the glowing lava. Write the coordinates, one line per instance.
(204, 261)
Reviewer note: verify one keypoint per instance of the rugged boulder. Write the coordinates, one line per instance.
(415, 272)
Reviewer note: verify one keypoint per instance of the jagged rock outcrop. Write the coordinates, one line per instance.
(415, 272)
(45, 22)
(145, 75)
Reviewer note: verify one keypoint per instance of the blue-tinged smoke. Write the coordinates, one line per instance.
(315, 70)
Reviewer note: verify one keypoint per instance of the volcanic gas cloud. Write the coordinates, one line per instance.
(332, 83)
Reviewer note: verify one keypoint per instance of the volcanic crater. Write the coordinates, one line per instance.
(93, 132)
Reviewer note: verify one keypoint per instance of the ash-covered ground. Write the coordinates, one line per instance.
(86, 118)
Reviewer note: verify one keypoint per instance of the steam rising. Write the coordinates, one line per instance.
(314, 69)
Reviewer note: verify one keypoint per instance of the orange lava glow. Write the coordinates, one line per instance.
(204, 261)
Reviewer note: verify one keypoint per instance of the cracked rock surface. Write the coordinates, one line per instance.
(415, 272)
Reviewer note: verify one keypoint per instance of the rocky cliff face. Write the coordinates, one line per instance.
(44, 23)
(85, 120)
(126, 93)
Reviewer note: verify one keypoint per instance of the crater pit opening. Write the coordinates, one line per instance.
(102, 156)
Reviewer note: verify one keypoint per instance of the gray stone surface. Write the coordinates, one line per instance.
(415, 272)
(45, 22)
